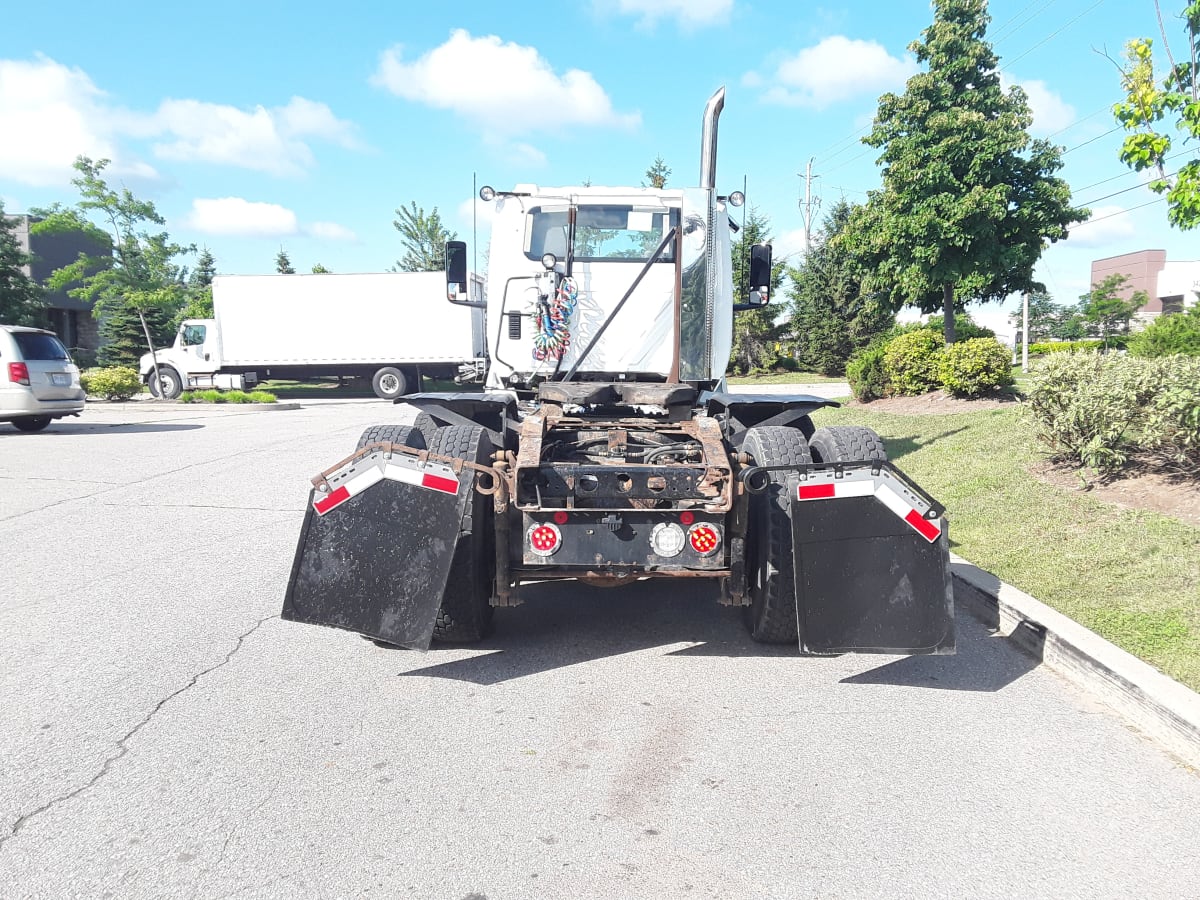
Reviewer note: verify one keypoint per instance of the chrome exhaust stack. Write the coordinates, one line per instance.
(708, 140)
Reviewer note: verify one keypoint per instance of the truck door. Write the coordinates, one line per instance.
(195, 348)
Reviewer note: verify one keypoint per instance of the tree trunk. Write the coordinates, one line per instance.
(153, 357)
(948, 308)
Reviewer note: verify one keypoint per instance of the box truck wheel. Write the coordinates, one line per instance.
(389, 383)
(846, 443)
(466, 612)
(771, 615)
(172, 384)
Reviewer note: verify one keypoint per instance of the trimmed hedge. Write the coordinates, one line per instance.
(867, 374)
(111, 383)
(1174, 333)
(975, 367)
(911, 361)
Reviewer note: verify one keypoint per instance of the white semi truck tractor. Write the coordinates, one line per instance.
(606, 449)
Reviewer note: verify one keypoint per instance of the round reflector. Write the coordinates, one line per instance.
(666, 539)
(561, 517)
(544, 539)
(686, 518)
(705, 539)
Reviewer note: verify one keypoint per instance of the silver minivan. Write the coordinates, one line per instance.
(38, 380)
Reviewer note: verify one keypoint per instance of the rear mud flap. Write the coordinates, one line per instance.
(375, 549)
(872, 565)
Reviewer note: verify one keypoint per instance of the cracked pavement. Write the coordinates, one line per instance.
(162, 733)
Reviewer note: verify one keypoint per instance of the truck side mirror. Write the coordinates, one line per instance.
(760, 278)
(456, 274)
(456, 269)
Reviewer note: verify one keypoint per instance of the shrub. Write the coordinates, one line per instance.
(1044, 347)
(1106, 412)
(262, 397)
(867, 374)
(911, 361)
(212, 396)
(1169, 335)
(785, 364)
(976, 366)
(112, 383)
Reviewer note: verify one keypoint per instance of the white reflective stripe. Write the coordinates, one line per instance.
(854, 488)
(892, 500)
(402, 473)
(362, 480)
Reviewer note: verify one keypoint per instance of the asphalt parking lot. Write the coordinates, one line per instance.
(163, 733)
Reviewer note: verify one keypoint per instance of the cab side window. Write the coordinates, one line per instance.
(193, 334)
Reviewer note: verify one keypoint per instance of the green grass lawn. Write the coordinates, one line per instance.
(1132, 577)
(785, 378)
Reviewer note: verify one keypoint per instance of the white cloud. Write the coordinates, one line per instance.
(484, 213)
(245, 218)
(330, 231)
(265, 140)
(1107, 225)
(838, 68)
(49, 115)
(789, 246)
(688, 13)
(1050, 112)
(504, 88)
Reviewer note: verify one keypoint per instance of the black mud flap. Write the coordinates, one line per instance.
(872, 564)
(376, 547)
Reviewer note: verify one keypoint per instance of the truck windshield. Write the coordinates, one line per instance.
(602, 233)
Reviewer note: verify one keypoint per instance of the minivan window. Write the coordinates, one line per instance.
(36, 346)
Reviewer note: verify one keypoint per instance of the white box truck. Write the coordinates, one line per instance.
(389, 327)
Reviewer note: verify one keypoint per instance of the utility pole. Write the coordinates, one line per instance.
(1025, 333)
(810, 206)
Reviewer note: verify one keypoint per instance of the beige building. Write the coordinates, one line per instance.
(1171, 286)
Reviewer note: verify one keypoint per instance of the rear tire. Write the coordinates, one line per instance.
(466, 613)
(31, 423)
(771, 616)
(389, 383)
(394, 434)
(846, 443)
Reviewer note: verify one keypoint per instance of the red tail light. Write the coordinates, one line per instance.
(705, 539)
(18, 373)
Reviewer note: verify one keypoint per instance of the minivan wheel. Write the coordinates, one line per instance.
(31, 423)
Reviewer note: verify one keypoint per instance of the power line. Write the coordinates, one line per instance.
(1092, 140)
(1011, 27)
(1054, 34)
(1121, 213)
(1088, 187)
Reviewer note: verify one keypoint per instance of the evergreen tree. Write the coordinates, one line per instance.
(205, 271)
(283, 265)
(423, 238)
(199, 303)
(319, 269)
(831, 314)
(657, 174)
(968, 199)
(20, 296)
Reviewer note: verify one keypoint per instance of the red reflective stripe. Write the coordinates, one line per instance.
(325, 504)
(438, 483)
(817, 491)
(927, 529)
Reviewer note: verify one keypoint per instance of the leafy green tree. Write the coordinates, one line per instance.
(1148, 109)
(20, 295)
(1068, 325)
(319, 269)
(831, 314)
(140, 284)
(1106, 310)
(423, 238)
(968, 198)
(657, 174)
(755, 332)
(283, 265)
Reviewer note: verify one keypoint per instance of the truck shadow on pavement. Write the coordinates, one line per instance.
(569, 624)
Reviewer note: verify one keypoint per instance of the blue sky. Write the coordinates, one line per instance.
(256, 125)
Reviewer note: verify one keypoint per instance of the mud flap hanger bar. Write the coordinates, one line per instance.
(321, 480)
(858, 478)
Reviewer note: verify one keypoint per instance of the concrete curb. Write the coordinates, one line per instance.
(1158, 706)
(174, 407)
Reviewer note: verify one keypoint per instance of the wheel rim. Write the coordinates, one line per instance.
(389, 383)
